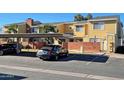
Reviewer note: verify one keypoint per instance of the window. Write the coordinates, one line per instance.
(79, 28)
(94, 39)
(99, 25)
(35, 30)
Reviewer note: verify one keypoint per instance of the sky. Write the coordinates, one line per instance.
(7, 18)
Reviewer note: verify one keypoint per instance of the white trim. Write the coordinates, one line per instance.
(107, 19)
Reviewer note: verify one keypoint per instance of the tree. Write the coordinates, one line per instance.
(12, 28)
(47, 29)
(78, 17)
(89, 16)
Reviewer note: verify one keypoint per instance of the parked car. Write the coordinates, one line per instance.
(52, 52)
(9, 49)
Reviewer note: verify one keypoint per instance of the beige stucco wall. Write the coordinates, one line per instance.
(22, 28)
(110, 28)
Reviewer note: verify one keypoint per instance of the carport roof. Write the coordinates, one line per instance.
(29, 35)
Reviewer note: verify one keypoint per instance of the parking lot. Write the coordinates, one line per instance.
(74, 67)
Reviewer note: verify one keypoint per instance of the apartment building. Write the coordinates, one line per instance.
(107, 30)
(21, 27)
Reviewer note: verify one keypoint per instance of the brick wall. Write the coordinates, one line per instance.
(82, 46)
(91, 47)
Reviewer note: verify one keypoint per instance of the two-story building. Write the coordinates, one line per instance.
(108, 30)
(21, 27)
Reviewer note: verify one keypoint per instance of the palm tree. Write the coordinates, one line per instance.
(12, 28)
(89, 16)
(78, 17)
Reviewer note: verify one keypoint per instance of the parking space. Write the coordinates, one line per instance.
(101, 58)
(76, 66)
(86, 57)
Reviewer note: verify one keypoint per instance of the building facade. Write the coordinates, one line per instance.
(107, 30)
(21, 27)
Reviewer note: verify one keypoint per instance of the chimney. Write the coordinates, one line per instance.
(29, 21)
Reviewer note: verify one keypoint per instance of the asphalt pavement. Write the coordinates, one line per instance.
(75, 67)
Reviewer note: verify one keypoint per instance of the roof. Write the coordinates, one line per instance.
(98, 18)
(105, 18)
(15, 23)
(29, 35)
(36, 23)
(55, 23)
(20, 23)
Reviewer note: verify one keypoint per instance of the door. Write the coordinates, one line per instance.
(110, 43)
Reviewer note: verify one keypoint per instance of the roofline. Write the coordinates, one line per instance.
(29, 35)
(71, 22)
(55, 23)
(91, 20)
(14, 23)
(18, 23)
(104, 19)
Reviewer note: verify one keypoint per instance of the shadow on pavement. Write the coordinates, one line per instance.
(10, 77)
(27, 54)
(76, 57)
(86, 57)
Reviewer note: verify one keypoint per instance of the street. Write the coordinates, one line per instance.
(75, 67)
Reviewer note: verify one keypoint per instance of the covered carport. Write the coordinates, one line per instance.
(18, 36)
(29, 35)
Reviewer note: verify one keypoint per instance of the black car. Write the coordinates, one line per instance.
(9, 49)
(52, 52)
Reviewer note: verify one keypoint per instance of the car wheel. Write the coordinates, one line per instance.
(56, 57)
(1, 53)
(40, 58)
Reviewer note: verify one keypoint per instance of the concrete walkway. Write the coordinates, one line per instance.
(115, 55)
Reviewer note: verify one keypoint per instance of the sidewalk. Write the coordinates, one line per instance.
(115, 55)
(98, 54)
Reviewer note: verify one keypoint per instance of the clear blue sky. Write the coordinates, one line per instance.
(6, 18)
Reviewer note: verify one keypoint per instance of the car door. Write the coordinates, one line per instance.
(61, 51)
(56, 50)
(5, 49)
(8, 47)
(11, 48)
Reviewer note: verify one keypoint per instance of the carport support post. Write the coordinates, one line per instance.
(81, 49)
(17, 44)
